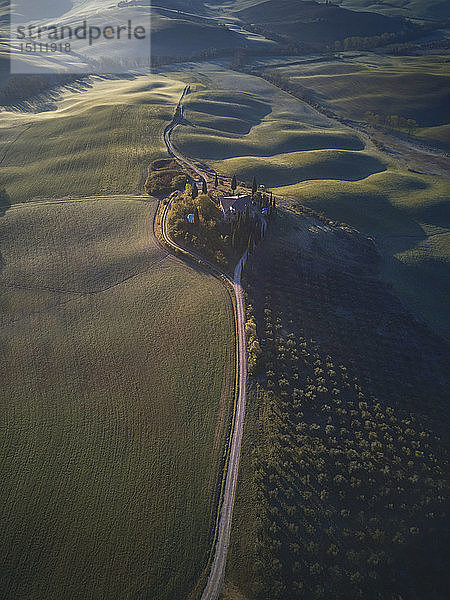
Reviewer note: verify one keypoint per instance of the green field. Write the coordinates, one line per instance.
(116, 386)
(316, 22)
(411, 9)
(407, 215)
(431, 9)
(343, 483)
(262, 130)
(298, 166)
(185, 36)
(415, 87)
(307, 158)
(95, 141)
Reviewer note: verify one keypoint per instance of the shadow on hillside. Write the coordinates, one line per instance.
(372, 213)
(322, 165)
(437, 214)
(235, 113)
(424, 288)
(345, 304)
(25, 94)
(421, 285)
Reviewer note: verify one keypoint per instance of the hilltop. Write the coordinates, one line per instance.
(314, 22)
(414, 9)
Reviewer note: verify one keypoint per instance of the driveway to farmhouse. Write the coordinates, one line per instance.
(222, 537)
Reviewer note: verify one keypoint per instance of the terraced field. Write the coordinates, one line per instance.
(86, 141)
(116, 381)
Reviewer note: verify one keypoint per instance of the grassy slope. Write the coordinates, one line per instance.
(181, 36)
(426, 9)
(414, 87)
(315, 22)
(282, 141)
(350, 318)
(256, 123)
(90, 142)
(115, 426)
(185, 36)
(408, 216)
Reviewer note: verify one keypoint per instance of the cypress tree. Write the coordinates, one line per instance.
(216, 181)
(254, 186)
(234, 183)
(194, 191)
(204, 187)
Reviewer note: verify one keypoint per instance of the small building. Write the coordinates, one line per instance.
(191, 219)
(231, 205)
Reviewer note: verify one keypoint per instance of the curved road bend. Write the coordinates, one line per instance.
(184, 161)
(217, 572)
(177, 120)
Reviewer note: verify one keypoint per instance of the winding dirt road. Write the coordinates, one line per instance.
(217, 573)
(201, 171)
(222, 537)
(173, 151)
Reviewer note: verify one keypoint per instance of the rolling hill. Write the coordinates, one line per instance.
(96, 138)
(114, 405)
(310, 159)
(118, 359)
(341, 396)
(317, 23)
(434, 10)
(415, 87)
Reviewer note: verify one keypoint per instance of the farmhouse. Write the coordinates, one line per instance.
(230, 205)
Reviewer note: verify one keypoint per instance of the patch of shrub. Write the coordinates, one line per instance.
(164, 182)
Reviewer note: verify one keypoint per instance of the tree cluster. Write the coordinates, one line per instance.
(164, 181)
(253, 344)
(375, 41)
(207, 235)
(391, 122)
(350, 486)
(219, 240)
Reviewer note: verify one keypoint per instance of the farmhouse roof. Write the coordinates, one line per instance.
(235, 203)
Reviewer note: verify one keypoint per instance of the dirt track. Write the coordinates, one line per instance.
(217, 572)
